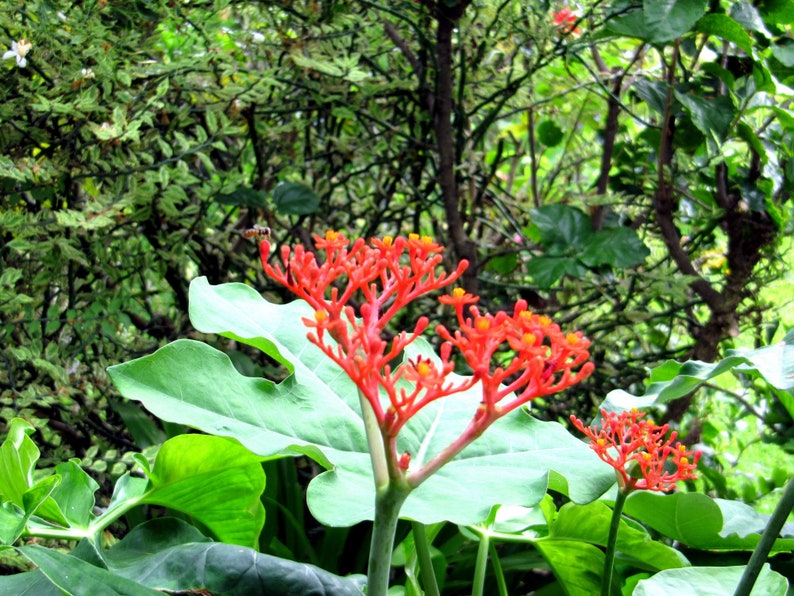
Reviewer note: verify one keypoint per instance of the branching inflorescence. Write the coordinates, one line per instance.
(383, 276)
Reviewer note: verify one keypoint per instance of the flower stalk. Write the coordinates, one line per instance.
(643, 457)
(356, 289)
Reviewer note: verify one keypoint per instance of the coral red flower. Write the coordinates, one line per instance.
(639, 452)
(383, 276)
(519, 357)
(565, 20)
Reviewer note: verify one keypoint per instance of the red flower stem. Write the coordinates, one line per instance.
(474, 429)
(609, 558)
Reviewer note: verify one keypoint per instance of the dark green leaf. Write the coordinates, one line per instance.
(561, 225)
(549, 133)
(712, 116)
(547, 271)
(617, 247)
(660, 21)
(243, 196)
(294, 198)
(170, 555)
(654, 93)
(666, 20)
(78, 578)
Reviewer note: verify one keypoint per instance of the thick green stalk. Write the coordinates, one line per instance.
(377, 452)
(609, 560)
(764, 546)
(425, 561)
(388, 501)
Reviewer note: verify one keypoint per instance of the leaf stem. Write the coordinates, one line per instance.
(498, 572)
(764, 546)
(478, 583)
(388, 501)
(425, 560)
(609, 559)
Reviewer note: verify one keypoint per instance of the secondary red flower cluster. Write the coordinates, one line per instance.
(565, 20)
(382, 277)
(639, 452)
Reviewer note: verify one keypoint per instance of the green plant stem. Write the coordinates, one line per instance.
(388, 501)
(377, 451)
(764, 546)
(429, 581)
(497, 568)
(478, 583)
(609, 559)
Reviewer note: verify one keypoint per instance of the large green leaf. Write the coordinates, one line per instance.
(315, 411)
(704, 523)
(725, 27)
(170, 555)
(79, 578)
(709, 581)
(775, 363)
(712, 116)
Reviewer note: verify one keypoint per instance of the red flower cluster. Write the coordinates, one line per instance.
(565, 20)
(639, 452)
(385, 275)
(542, 359)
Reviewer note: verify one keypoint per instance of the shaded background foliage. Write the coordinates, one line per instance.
(628, 171)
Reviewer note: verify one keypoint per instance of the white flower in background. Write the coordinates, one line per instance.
(19, 49)
(87, 73)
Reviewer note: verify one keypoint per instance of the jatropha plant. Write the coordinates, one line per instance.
(644, 458)
(514, 357)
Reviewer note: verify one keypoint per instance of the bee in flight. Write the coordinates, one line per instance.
(259, 232)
